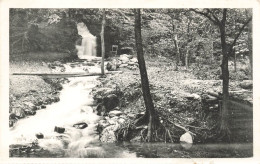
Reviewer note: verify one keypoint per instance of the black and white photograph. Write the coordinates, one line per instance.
(141, 82)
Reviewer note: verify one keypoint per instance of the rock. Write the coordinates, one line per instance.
(246, 84)
(110, 102)
(19, 112)
(88, 64)
(85, 69)
(131, 115)
(99, 93)
(81, 125)
(59, 129)
(30, 105)
(29, 112)
(55, 99)
(57, 63)
(43, 106)
(123, 65)
(101, 110)
(134, 60)
(13, 116)
(111, 122)
(121, 120)
(125, 58)
(186, 140)
(108, 136)
(115, 118)
(39, 135)
(115, 113)
(11, 123)
(193, 96)
(131, 63)
(111, 66)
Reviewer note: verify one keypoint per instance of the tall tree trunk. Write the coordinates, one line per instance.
(103, 41)
(187, 58)
(224, 129)
(250, 49)
(150, 112)
(235, 60)
(177, 49)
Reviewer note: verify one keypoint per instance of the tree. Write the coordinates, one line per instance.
(219, 18)
(150, 111)
(103, 40)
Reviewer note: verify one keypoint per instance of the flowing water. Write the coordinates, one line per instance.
(76, 106)
(88, 45)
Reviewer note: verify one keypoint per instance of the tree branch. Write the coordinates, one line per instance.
(240, 31)
(206, 15)
(214, 16)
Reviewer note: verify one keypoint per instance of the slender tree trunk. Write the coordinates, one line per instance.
(150, 112)
(224, 129)
(250, 49)
(177, 50)
(103, 41)
(235, 60)
(187, 59)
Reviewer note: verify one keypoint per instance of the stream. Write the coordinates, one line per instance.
(76, 106)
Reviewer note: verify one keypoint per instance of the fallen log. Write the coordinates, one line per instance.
(63, 75)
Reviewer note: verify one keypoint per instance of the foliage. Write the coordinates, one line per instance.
(41, 30)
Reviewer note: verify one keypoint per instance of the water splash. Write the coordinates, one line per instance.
(88, 45)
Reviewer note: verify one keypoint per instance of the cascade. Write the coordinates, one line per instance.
(88, 45)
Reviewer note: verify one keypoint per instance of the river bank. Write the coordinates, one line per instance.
(27, 94)
(179, 97)
(117, 102)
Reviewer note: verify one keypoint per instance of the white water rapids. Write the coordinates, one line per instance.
(74, 107)
(88, 45)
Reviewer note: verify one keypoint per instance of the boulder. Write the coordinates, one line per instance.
(99, 93)
(81, 125)
(19, 112)
(131, 63)
(108, 137)
(39, 135)
(131, 115)
(110, 102)
(121, 120)
(29, 112)
(186, 140)
(115, 113)
(101, 110)
(108, 134)
(193, 96)
(246, 84)
(134, 60)
(59, 129)
(124, 58)
(111, 66)
(30, 106)
(123, 65)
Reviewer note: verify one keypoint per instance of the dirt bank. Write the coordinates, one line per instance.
(27, 94)
(177, 97)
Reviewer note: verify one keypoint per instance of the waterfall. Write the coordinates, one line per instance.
(88, 45)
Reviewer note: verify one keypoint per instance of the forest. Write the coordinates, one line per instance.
(122, 82)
